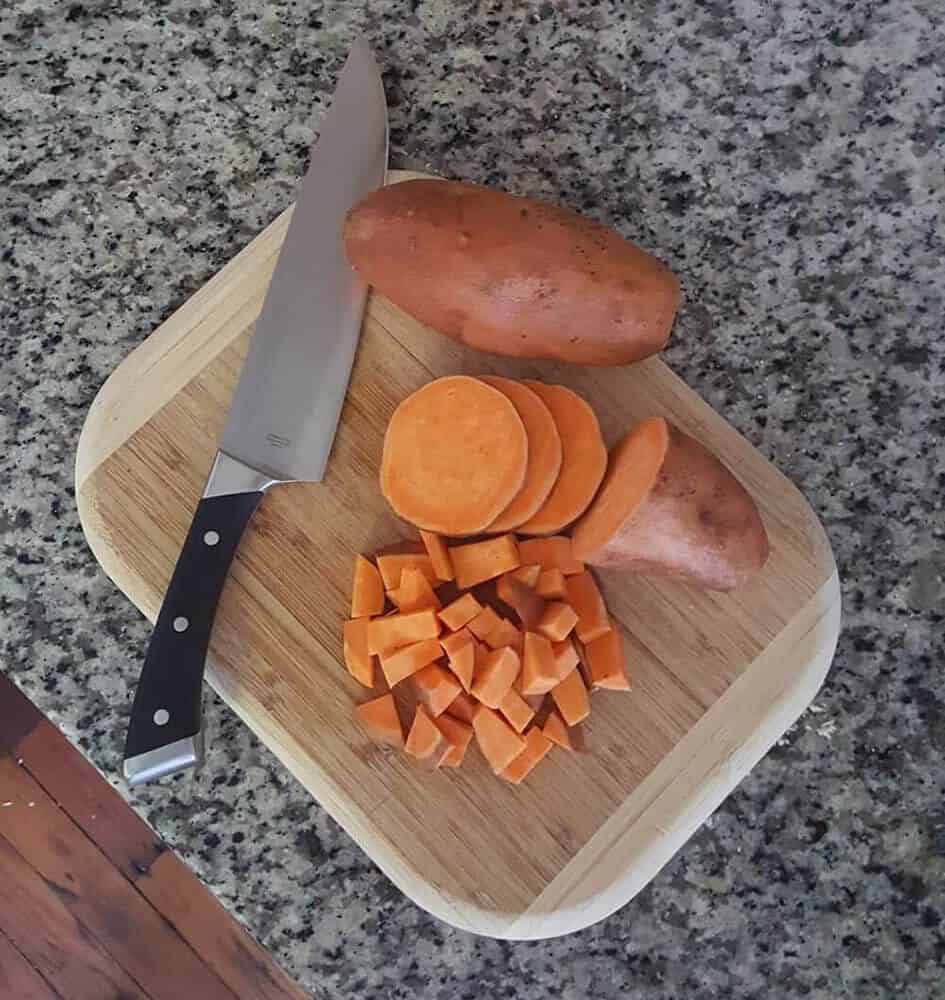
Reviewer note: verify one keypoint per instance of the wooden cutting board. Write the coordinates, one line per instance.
(716, 678)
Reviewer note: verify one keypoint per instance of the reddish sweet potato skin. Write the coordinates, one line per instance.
(697, 524)
(511, 275)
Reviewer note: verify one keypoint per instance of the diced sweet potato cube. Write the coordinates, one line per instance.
(497, 740)
(425, 741)
(539, 672)
(439, 555)
(516, 710)
(505, 634)
(522, 600)
(606, 662)
(483, 623)
(379, 717)
(495, 675)
(409, 659)
(529, 575)
(358, 660)
(557, 731)
(536, 746)
(461, 612)
(551, 586)
(459, 734)
(480, 561)
(453, 642)
(566, 657)
(570, 698)
(557, 621)
(414, 592)
(463, 663)
(436, 688)
(367, 591)
(553, 552)
(391, 633)
(463, 707)
(393, 564)
(585, 598)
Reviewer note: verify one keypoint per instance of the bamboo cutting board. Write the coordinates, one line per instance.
(717, 678)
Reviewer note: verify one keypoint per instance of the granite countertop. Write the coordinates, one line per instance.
(786, 160)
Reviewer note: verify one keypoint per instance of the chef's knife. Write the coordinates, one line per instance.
(282, 419)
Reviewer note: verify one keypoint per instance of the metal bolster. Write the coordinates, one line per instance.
(177, 756)
(230, 475)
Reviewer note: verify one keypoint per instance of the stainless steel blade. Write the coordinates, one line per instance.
(288, 400)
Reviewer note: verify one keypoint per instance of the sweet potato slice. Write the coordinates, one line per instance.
(557, 621)
(460, 612)
(495, 676)
(414, 592)
(436, 688)
(586, 600)
(516, 709)
(544, 453)
(551, 585)
(505, 634)
(367, 592)
(480, 561)
(570, 698)
(554, 552)
(379, 717)
(526, 604)
(358, 660)
(537, 746)
(425, 741)
(460, 649)
(556, 731)
(455, 455)
(463, 707)
(668, 507)
(606, 662)
(385, 635)
(566, 658)
(539, 672)
(393, 564)
(459, 734)
(408, 660)
(497, 740)
(583, 460)
(483, 623)
(438, 553)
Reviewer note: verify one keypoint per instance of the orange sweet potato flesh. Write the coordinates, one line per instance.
(518, 713)
(529, 575)
(556, 731)
(458, 734)
(391, 633)
(557, 621)
(566, 657)
(438, 553)
(522, 600)
(379, 717)
(495, 676)
(511, 275)
(497, 740)
(570, 698)
(460, 612)
(583, 460)
(505, 634)
(460, 649)
(480, 561)
(544, 453)
(425, 741)
(554, 552)
(463, 707)
(367, 591)
(668, 507)
(455, 455)
(414, 592)
(583, 595)
(436, 688)
(409, 659)
(483, 623)
(393, 564)
(537, 746)
(606, 662)
(539, 671)
(358, 660)
(551, 585)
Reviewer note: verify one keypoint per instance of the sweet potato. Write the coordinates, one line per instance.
(517, 711)
(460, 649)
(367, 592)
(392, 565)
(583, 461)
(551, 585)
(537, 746)
(585, 598)
(606, 662)
(385, 635)
(539, 672)
(529, 575)
(379, 717)
(497, 740)
(460, 612)
(414, 592)
(463, 707)
(511, 275)
(554, 552)
(480, 561)
(570, 698)
(566, 658)
(668, 507)
(436, 688)
(483, 623)
(455, 455)
(505, 634)
(557, 621)
(458, 735)
(409, 659)
(544, 453)
(425, 741)
(522, 600)
(438, 553)
(358, 660)
(556, 731)
(495, 676)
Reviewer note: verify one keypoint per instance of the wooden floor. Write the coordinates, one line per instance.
(93, 905)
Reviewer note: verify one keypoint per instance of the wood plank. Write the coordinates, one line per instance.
(41, 926)
(18, 715)
(19, 980)
(156, 872)
(100, 899)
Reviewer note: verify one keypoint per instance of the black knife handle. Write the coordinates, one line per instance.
(167, 705)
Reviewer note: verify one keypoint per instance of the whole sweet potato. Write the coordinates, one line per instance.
(511, 275)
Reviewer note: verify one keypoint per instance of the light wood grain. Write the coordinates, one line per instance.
(717, 677)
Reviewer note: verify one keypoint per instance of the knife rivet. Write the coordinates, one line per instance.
(162, 717)
(180, 624)
(211, 538)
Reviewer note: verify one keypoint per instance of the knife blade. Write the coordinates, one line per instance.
(282, 418)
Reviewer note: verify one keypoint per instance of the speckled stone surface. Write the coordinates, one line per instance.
(786, 160)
